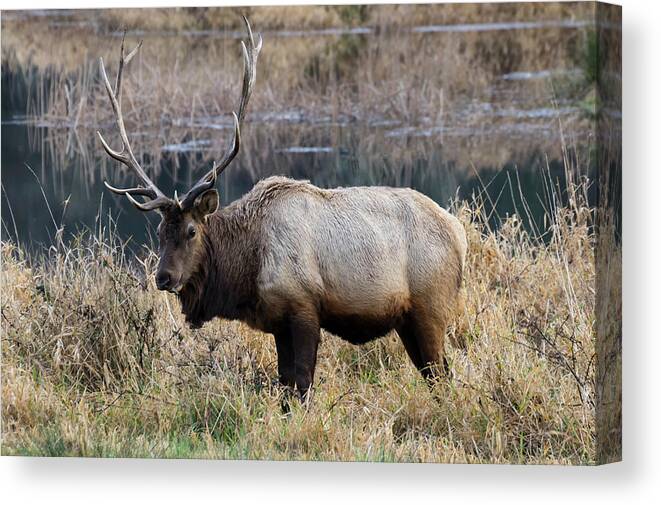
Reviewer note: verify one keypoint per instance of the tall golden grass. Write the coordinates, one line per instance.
(97, 362)
(393, 73)
(181, 83)
(393, 66)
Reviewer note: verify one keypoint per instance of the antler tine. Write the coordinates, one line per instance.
(208, 181)
(126, 155)
(125, 191)
(249, 76)
(155, 204)
(249, 67)
(123, 61)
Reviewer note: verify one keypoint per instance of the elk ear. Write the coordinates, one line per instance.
(206, 204)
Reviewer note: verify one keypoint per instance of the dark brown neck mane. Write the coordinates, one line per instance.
(225, 283)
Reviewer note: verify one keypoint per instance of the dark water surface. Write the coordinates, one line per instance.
(508, 140)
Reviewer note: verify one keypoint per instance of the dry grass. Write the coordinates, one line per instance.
(394, 72)
(96, 362)
(182, 87)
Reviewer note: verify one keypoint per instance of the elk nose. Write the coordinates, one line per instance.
(163, 280)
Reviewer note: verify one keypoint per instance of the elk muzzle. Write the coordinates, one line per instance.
(168, 281)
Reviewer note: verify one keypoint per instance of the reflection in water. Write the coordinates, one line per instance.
(347, 156)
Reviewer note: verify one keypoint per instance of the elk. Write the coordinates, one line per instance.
(290, 258)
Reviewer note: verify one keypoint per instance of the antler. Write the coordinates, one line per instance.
(249, 73)
(156, 198)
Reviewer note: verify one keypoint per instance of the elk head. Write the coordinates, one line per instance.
(183, 221)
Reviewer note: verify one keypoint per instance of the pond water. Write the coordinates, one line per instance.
(506, 137)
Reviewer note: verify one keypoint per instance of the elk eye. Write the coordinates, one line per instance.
(191, 231)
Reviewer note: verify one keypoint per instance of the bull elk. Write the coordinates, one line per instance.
(289, 258)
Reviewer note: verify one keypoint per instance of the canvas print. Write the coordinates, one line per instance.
(380, 233)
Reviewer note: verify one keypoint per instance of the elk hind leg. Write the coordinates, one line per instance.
(423, 336)
(406, 334)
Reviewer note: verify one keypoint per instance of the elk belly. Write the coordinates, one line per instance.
(360, 324)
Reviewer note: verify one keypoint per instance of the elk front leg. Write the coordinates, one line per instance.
(286, 371)
(304, 328)
(285, 350)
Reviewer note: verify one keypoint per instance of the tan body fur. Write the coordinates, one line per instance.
(290, 258)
